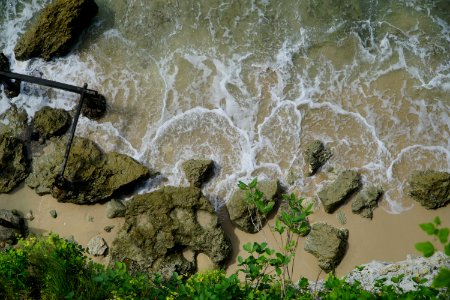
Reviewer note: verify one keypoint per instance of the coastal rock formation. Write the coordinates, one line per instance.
(115, 208)
(97, 246)
(430, 188)
(13, 163)
(11, 88)
(328, 244)
(335, 193)
(315, 156)
(162, 224)
(247, 218)
(14, 122)
(10, 226)
(198, 171)
(366, 201)
(56, 29)
(92, 175)
(50, 122)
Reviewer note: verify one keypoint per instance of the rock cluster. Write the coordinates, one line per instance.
(162, 224)
(56, 29)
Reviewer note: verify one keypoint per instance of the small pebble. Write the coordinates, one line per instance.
(29, 216)
(108, 228)
(53, 214)
(91, 219)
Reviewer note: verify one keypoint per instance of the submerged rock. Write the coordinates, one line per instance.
(430, 188)
(14, 122)
(366, 201)
(56, 29)
(13, 163)
(49, 122)
(92, 175)
(328, 244)
(334, 194)
(316, 155)
(247, 218)
(160, 225)
(198, 171)
(11, 225)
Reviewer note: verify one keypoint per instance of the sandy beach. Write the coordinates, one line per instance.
(387, 237)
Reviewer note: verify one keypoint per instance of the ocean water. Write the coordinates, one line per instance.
(249, 83)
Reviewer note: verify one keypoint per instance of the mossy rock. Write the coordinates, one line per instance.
(14, 122)
(198, 171)
(316, 155)
(247, 218)
(161, 224)
(13, 163)
(49, 122)
(335, 193)
(91, 175)
(430, 188)
(328, 244)
(366, 201)
(56, 29)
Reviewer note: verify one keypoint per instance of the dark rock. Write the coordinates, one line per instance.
(160, 225)
(366, 201)
(198, 171)
(91, 175)
(328, 244)
(94, 107)
(335, 193)
(11, 225)
(11, 87)
(115, 208)
(56, 29)
(97, 246)
(108, 228)
(54, 214)
(247, 218)
(315, 155)
(430, 188)
(50, 122)
(13, 163)
(14, 122)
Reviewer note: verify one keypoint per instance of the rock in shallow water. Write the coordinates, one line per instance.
(316, 156)
(366, 201)
(334, 194)
(56, 29)
(430, 188)
(50, 122)
(160, 225)
(198, 171)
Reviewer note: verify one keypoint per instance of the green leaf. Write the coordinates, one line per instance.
(278, 271)
(253, 184)
(437, 221)
(447, 249)
(240, 259)
(426, 248)
(443, 235)
(428, 228)
(442, 279)
(242, 186)
(248, 247)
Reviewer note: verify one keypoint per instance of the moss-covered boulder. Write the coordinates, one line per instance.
(56, 29)
(11, 88)
(13, 163)
(14, 122)
(366, 201)
(315, 156)
(328, 244)
(162, 224)
(198, 171)
(11, 225)
(92, 175)
(430, 188)
(248, 218)
(50, 122)
(335, 193)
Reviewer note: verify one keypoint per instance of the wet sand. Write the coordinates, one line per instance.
(387, 237)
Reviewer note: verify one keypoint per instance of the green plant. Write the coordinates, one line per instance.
(442, 279)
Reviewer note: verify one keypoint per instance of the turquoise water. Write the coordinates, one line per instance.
(249, 83)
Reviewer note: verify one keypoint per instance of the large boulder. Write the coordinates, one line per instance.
(50, 122)
(56, 29)
(11, 225)
(334, 194)
(366, 201)
(430, 188)
(91, 175)
(198, 171)
(162, 224)
(328, 244)
(14, 122)
(315, 156)
(13, 163)
(246, 217)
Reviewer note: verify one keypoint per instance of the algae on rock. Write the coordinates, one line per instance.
(56, 29)
(430, 188)
(335, 193)
(316, 156)
(161, 224)
(50, 122)
(366, 201)
(198, 171)
(13, 163)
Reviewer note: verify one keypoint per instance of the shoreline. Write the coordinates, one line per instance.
(387, 237)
